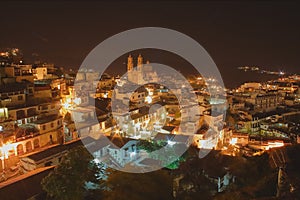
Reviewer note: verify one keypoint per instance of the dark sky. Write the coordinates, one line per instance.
(235, 34)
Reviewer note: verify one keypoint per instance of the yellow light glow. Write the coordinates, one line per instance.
(3, 112)
(6, 148)
(275, 144)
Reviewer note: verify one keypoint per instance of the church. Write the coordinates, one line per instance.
(142, 73)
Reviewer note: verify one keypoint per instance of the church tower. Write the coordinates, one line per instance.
(139, 62)
(129, 63)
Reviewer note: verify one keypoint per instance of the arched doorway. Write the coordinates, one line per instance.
(36, 143)
(20, 149)
(51, 139)
(28, 147)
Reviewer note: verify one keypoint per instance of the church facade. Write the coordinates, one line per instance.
(141, 73)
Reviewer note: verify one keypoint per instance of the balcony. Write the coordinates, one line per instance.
(31, 112)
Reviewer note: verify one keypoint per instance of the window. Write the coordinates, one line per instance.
(52, 125)
(44, 127)
(20, 98)
(44, 107)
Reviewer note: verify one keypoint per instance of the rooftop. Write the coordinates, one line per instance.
(58, 149)
(13, 87)
(47, 119)
(172, 137)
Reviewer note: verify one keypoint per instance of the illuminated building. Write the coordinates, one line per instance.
(139, 122)
(260, 101)
(29, 113)
(210, 131)
(47, 157)
(134, 73)
(20, 72)
(142, 73)
(241, 139)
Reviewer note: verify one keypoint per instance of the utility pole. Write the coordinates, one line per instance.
(282, 176)
(280, 182)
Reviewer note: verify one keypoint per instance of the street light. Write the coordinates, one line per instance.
(171, 143)
(148, 99)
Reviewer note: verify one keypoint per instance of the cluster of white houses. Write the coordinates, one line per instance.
(48, 111)
(44, 114)
(41, 109)
(29, 108)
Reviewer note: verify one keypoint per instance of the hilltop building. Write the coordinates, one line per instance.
(142, 73)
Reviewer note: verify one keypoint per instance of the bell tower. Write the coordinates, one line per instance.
(139, 61)
(129, 63)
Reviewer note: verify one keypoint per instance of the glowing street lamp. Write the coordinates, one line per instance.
(66, 105)
(233, 141)
(148, 99)
(132, 154)
(171, 143)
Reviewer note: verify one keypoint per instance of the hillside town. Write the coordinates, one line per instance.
(45, 111)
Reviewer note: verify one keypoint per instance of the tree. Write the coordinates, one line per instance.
(168, 154)
(152, 185)
(255, 178)
(193, 183)
(69, 178)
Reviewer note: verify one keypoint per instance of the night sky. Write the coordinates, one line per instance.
(265, 34)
